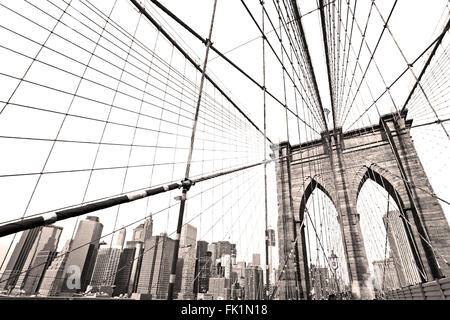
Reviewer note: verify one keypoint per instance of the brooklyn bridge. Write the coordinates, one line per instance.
(224, 150)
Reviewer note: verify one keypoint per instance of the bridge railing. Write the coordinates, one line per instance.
(433, 290)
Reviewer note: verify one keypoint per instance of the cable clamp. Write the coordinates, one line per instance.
(136, 195)
(182, 197)
(50, 217)
(186, 184)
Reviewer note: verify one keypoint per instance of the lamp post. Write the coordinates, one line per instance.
(334, 265)
(334, 260)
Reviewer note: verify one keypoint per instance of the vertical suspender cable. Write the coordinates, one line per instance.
(188, 164)
(267, 291)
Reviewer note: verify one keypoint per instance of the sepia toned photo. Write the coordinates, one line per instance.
(239, 150)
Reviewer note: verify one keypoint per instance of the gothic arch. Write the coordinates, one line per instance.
(385, 179)
(311, 185)
(393, 185)
(308, 186)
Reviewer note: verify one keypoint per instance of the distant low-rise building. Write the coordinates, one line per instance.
(385, 275)
(220, 288)
(254, 283)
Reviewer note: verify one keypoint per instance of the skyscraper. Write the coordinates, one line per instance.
(105, 268)
(202, 267)
(41, 255)
(155, 268)
(238, 274)
(138, 233)
(136, 264)
(202, 248)
(18, 258)
(124, 269)
(83, 254)
(218, 249)
(400, 250)
(225, 247)
(184, 281)
(226, 263)
(53, 276)
(41, 262)
(148, 228)
(212, 247)
(120, 240)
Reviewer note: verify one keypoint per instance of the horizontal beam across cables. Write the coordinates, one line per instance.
(52, 217)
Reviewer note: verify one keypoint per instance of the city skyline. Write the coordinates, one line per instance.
(110, 267)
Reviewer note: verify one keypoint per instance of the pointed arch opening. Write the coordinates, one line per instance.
(394, 261)
(323, 250)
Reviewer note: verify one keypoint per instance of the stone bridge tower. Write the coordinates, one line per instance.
(384, 153)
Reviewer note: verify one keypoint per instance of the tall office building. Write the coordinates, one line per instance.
(202, 267)
(35, 277)
(185, 275)
(46, 239)
(254, 283)
(148, 228)
(212, 247)
(226, 263)
(400, 250)
(120, 240)
(256, 261)
(238, 274)
(155, 268)
(53, 276)
(225, 247)
(138, 233)
(385, 275)
(41, 255)
(81, 260)
(218, 249)
(124, 269)
(202, 248)
(105, 268)
(138, 247)
(18, 257)
(203, 273)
